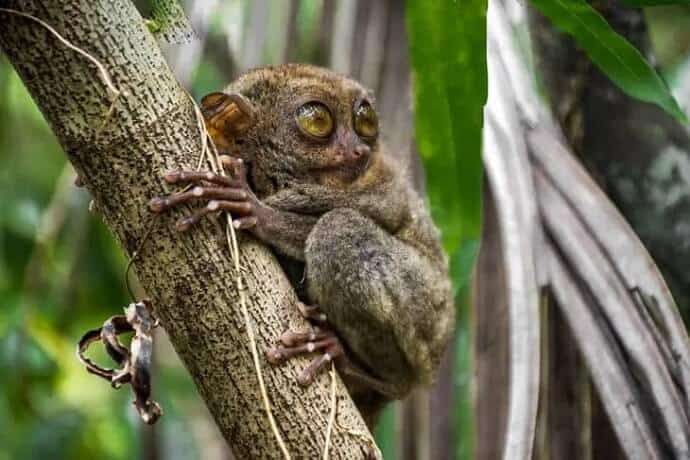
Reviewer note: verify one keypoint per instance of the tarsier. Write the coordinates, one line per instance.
(308, 176)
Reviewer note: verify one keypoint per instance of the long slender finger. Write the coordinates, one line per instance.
(238, 207)
(291, 338)
(160, 204)
(311, 371)
(280, 353)
(235, 166)
(244, 223)
(312, 312)
(184, 176)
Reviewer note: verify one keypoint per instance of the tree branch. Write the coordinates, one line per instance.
(637, 152)
(189, 277)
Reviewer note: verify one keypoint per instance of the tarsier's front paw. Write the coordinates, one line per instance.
(222, 193)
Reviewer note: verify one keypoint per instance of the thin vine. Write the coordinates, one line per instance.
(113, 92)
(231, 237)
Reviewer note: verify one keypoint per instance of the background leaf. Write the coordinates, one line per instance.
(448, 57)
(610, 52)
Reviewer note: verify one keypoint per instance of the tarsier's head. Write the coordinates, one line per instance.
(296, 122)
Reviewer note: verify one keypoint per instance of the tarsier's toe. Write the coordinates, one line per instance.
(227, 160)
(236, 166)
(157, 204)
(312, 313)
(274, 355)
(172, 176)
(305, 378)
(292, 338)
(244, 223)
(184, 224)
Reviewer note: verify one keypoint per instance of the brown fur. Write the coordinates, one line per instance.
(373, 259)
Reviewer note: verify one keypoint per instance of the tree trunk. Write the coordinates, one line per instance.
(189, 277)
(638, 153)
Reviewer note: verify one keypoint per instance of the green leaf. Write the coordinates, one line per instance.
(385, 433)
(610, 52)
(461, 265)
(448, 56)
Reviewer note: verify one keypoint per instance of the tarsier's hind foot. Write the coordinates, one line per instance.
(222, 193)
(325, 341)
(293, 344)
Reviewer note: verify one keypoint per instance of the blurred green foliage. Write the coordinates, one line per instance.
(448, 56)
(59, 275)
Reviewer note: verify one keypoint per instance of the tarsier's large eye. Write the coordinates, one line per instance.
(314, 119)
(366, 120)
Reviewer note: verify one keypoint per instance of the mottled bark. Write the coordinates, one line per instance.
(639, 154)
(188, 276)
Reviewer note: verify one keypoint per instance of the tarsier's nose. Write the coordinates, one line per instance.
(361, 150)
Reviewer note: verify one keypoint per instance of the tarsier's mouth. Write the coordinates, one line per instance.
(346, 162)
(345, 170)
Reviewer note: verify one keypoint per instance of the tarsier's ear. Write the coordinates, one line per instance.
(226, 116)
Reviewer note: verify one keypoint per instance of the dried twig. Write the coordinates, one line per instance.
(331, 419)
